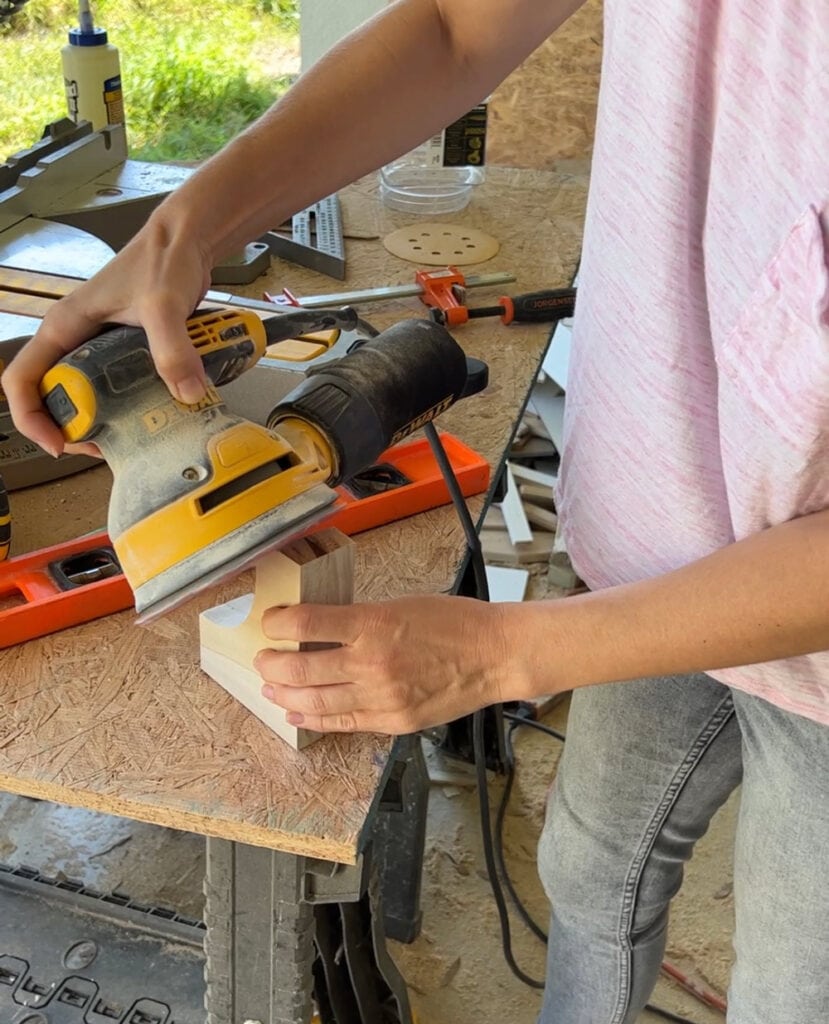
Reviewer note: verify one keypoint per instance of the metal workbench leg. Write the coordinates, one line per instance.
(281, 928)
(260, 936)
(399, 835)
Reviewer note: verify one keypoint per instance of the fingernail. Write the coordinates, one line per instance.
(294, 718)
(190, 390)
(267, 692)
(54, 452)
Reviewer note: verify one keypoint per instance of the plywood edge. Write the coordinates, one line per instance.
(268, 837)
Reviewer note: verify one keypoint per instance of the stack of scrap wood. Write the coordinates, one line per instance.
(522, 530)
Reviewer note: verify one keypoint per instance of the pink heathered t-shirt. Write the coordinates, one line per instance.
(698, 392)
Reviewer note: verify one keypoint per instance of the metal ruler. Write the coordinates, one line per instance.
(316, 239)
(353, 298)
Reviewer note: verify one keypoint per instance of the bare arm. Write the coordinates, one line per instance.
(760, 599)
(410, 70)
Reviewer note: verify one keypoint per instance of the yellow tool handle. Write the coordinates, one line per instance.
(100, 380)
(108, 375)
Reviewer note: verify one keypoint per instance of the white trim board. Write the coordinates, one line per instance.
(556, 362)
(548, 402)
(506, 584)
(513, 511)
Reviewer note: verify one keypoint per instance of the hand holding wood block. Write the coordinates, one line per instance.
(317, 569)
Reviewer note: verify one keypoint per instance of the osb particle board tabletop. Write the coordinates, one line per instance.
(119, 718)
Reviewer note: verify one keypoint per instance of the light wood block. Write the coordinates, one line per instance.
(526, 475)
(560, 572)
(536, 494)
(534, 424)
(541, 517)
(497, 547)
(494, 519)
(318, 570)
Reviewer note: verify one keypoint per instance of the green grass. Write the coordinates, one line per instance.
(194, 73)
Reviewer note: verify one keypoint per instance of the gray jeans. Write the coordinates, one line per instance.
(645, 766)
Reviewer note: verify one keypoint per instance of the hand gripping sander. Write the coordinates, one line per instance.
(199, 493)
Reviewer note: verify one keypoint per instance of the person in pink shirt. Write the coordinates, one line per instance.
(694, 488)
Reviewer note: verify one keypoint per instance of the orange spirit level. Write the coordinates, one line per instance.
(406, 480)
(60, 586)
(68, 584)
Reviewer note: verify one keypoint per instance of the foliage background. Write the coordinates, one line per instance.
(194, 73)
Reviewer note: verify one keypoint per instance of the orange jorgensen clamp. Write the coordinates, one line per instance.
(444, 290)
(48, 590)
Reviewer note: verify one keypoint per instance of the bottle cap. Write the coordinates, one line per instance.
(97, 37)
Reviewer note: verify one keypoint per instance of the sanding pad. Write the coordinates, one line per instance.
(440, 245)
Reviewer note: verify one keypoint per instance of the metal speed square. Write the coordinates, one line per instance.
(65, 585)
(316, 239)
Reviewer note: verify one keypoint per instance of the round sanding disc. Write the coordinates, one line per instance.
(441, 244)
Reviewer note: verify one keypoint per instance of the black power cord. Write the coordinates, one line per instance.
(532, 723)
(473, 541)
(509, 760)
(493, 845)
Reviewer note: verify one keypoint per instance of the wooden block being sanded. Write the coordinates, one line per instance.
(318, 569)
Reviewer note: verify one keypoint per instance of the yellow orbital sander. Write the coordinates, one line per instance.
(199, 493)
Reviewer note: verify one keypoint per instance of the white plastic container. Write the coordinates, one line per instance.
(437, 177)
(92, 75)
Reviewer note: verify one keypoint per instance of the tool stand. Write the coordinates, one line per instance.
(399, 837)
(283, 934)
(281, 926)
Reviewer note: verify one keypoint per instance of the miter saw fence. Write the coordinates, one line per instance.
(73, 199)
(81, 181)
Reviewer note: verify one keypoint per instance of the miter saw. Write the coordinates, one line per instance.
(73, 199)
